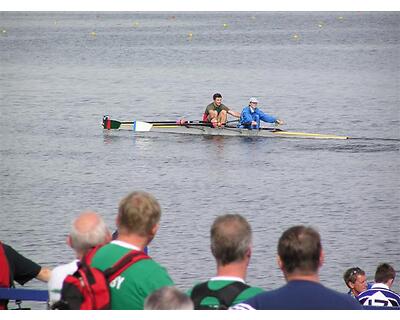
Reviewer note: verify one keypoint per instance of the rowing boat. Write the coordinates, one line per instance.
(204, 128)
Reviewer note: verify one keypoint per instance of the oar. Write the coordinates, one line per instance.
(146, 126)
(281, 132)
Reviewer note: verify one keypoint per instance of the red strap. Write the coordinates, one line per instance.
(124, 263)
(108, 124)
(90, 254)
(205, 117)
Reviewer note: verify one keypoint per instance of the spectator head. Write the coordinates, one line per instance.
(300, 251)
(230, 239)
(356, 280)
(168, 298)
(385, 273)
(87, 231)
(139, 213)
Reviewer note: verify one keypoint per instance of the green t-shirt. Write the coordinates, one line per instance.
(131, 287)
(212, 106)
(219, 284)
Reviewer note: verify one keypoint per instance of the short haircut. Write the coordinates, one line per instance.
(83, 241)
(351, 274)
(138, 213)
(168, 298)
(217, 95)
(299, 249)
(230, 238)
(384, 272)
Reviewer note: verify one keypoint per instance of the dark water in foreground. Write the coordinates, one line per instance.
(320, 72)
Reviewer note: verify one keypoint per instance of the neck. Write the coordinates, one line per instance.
(234, 269)
(314, 277)
(134, 239)
(354, 292)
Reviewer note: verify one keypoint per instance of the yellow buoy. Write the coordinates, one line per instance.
(93, 34)
(136, 24)
(296, 36)
(225, 25)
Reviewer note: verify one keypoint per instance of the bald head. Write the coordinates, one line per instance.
(87, 231)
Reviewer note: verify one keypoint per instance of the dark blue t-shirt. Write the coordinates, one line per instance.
(301, 295)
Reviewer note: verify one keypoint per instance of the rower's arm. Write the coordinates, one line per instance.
(234, 113)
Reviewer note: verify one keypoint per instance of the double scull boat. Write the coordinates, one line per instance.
(205, 128)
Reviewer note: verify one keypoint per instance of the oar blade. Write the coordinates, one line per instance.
(110, 124)
(141, 126)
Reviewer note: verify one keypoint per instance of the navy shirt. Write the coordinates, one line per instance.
(301, 295)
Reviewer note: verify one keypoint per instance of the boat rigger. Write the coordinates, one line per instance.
(205, 128)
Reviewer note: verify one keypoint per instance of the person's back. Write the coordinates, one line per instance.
(301, 295)
(380, 294)
(300, 256)
(221, 293)
(138, 219)
(231, 246)
(129, 290)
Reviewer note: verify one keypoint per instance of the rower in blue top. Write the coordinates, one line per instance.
(251, 116)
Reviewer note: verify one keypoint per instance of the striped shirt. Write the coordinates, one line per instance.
(379, 296)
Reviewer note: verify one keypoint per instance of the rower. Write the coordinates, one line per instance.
(216, 112)
(251, 116)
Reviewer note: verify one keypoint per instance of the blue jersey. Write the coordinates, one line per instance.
(300, 295)
(248, 115)
(379, 296)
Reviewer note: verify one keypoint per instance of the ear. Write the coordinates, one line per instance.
(249, 252)
(321, 258)
(154, 230)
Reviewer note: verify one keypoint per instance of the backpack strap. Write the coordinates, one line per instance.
(87, 258)
(225, 295)
(124, 263)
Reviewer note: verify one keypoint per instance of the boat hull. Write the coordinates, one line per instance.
(232, 131)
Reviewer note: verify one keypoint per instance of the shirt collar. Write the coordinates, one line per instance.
(125, 245)
(225, 278)
(380, 285)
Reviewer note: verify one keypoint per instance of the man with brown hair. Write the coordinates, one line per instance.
(137, 222)
(355, 280)
(380, 294)
(300, 256)
(231, 242)
(216, 112)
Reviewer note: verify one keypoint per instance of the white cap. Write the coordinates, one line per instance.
(252, 99)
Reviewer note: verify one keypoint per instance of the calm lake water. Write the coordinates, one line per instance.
(325, 72)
